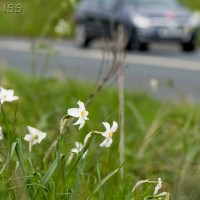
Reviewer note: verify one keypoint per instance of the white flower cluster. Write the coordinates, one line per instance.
(81, 113)
(36, 136)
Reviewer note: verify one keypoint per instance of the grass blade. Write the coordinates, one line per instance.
(103, 181)
(50, 171)
(17, 150)
(9, 157)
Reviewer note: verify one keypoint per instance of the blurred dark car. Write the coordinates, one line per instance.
(144, 21)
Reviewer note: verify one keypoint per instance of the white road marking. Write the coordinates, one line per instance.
(161, 62)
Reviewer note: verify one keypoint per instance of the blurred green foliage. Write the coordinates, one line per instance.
(38, 17)
(193, 4)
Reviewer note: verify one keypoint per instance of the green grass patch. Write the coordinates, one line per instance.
(161, 140)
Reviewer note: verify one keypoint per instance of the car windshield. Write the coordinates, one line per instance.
(148, 3)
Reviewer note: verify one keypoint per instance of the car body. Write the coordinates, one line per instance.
(144, 21)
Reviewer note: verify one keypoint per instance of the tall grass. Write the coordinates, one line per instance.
(159, 143)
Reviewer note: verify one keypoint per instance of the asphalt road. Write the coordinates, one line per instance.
(166, 63)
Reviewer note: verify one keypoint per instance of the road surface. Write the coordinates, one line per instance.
(166, 63)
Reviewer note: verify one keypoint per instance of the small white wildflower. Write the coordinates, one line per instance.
(62, 27)
(108, 134)
(80, 112)
(158, 186)
(7, 95)
(78, 148)
(1, 133)
(154, 83)
(35, 136)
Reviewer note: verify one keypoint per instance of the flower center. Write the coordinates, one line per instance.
(83, 114)
(36, 137)
(110, 134)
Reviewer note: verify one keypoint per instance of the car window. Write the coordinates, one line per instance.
(148, 3)
(92, 1)
(108, 3)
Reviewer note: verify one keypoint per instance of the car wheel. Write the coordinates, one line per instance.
(188, 46)
(81, 38)
(143, 46)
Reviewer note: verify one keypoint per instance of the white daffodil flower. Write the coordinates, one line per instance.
(1, 133)
(80, 112)
(7, 95)
(158, 186)
(78, 148)
(108, 134)
(35, 136)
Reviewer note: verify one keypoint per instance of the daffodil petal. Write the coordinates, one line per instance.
(81, 125)
(12, 98)
(32, 130)
(109, 142)
(103, 143)
(41, 136)
(74, 150)
(114, 127)
(28, 137)
(107, 126)
(105, 134)
(8, 92)
(80, 121)
(81, 105)
(74, 112)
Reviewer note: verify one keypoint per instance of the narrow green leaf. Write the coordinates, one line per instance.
(4, 166)
(16, 168)
(9, 157)
(19, 156)
(76, 162)
(13, 149)
(103, 181)
(50, 171)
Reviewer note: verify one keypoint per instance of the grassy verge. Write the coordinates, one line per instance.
(162, 140)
